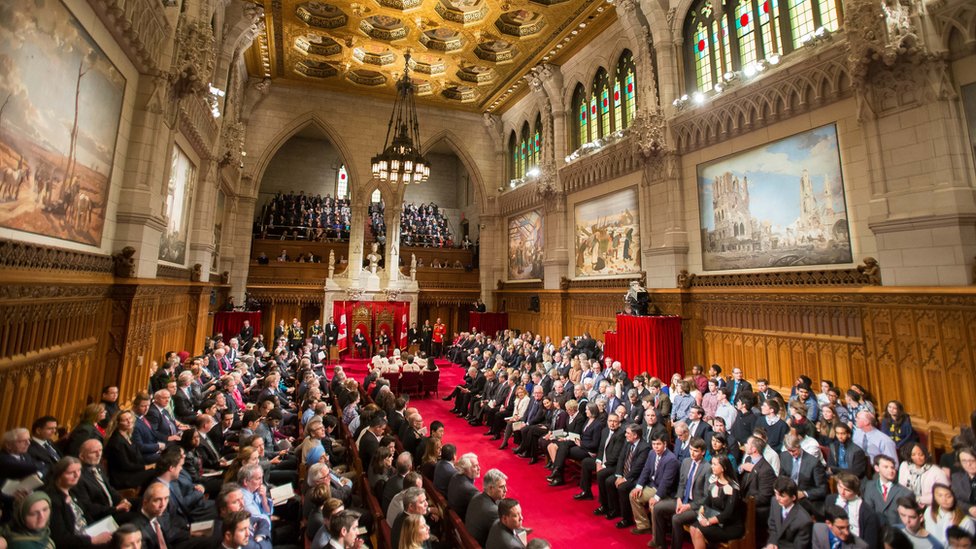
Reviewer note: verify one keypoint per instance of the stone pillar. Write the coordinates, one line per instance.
(357, 235)
(200, 242)
(392, 216)
(237, 257)
(664, 250)
(492, 254)
(556, 264)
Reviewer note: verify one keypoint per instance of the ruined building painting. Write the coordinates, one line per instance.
(779, 205)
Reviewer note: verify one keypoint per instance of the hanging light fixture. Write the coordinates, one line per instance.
(402, 160)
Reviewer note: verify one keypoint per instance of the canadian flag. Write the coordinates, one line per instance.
(403, 330)
(342, 342)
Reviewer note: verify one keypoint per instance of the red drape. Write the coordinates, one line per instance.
(609, 343)
(488, 323)
(229, 323)
(339, 311)
(649, 344)
(403, 321)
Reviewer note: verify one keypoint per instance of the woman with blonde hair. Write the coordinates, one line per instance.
(88, 428)
(415, 533)
(575, 370)
(245, 456)
(126, 464)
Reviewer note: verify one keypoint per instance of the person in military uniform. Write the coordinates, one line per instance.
(296, 337)
(315, 332)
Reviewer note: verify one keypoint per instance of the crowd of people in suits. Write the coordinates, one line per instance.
(216, 440)
(822, 466)
(304, 217)
(423, 226)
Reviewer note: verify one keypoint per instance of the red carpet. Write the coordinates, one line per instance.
(552, 513)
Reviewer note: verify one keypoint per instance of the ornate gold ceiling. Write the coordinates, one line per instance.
(465, 54)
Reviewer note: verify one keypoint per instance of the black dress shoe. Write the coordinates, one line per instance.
(534, 460)
(599, 511)
(503, 446)
(496, 437)
(624, 523)
(557, 482)
(447, 398)
(550, 465)
(583, 496)
(611, 516)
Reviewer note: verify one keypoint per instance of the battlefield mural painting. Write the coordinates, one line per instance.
(608, 235)
(525, 246)
(779, 205)
(60, 103)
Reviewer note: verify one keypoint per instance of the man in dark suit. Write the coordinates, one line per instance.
(504, 533)
(444, 470)
(360, 344)
(682, 510)
(963, 481)
(653, 426)
(837, 526)
(483, 510)
(658, 480)
(697, 425)
(160, 420)
(738, 385)
(331, 333)
(844, 455)
(461, 489)
(369, 443)
(757, 477)
(15, 462)
(184, 405)
(882, 493)
(246, 336)
(764, 392)
(394, 485)
(143, 435)
(96, 496)
(807, 472)
(789, 524)
(865, 523)
(618, 486)
(41, 451)
(604, 462)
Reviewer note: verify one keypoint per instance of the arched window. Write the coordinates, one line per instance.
(625, 81)
(524, 156)
(581, 130)
(342, 182)
(601, 92)
(513, 155)
(748, 31)
(377, 197)
(537, 140)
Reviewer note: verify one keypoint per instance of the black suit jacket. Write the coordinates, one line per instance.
(758, 483)
(62, 522)
(41, 457)
(175, 531)
(183, 407)
(393, 486)
(610, 454)
(482, 513)
(158, 423)
(460, 491)
(636, 463)
(857, 461)
(126, 464)
(368, 445)
(962, 488)
(868, 521)
(93, 499)
(812, 479)
(701, 429)
(794, 531)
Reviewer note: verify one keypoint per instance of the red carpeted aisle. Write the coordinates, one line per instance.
(552, 513)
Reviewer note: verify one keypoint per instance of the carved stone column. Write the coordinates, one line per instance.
(237, 259)
(923, 208)
(391, 217)
(492, 253)
(640, 35)
(556, 262)
(201, 238)
(358, 219)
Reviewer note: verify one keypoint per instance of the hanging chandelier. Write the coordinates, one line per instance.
(402, 160)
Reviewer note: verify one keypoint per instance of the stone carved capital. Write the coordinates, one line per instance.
(195, 60)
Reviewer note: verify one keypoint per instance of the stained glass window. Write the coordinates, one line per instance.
(513, 153)
(537, 141)
(342, 182)
(581, 132)
(601, 92)
(626, 75)
(524, 156)
(618, 118)
(749, 31)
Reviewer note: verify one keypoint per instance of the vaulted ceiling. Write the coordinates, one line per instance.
(465, 54)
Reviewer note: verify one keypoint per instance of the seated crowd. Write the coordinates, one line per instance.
(423, 226)
(242, 447)
(301, 217)
(696, 458)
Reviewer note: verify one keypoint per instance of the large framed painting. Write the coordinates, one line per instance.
(526, 241)
(778, 205)
(969, 104)
(608, 235)
(60, 106)
(176, 210)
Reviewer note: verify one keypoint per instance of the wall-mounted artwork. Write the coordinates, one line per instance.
(608, 235)
(60, 103)
(779, 205)
(176, 210)
(969, 104)
(526, 241)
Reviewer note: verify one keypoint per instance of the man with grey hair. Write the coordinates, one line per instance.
(872, 440)
(461, 489)
(414, 503)
(184, 402)
(15, 463)
(483, 509)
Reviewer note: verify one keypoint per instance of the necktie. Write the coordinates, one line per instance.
(657, 461)
(101, 483)
(691, 481)
(796, 470)
(842, 456)
(159, 534)
(630, 458)
(52, 451)
(884, 492)
(785, 512)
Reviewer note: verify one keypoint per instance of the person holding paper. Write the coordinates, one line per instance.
(29, 524)
(68, 521)
(15, 462)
